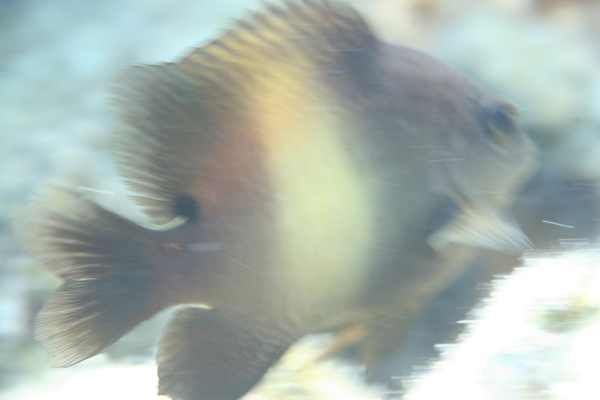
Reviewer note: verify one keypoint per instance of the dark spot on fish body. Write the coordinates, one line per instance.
(187, 206)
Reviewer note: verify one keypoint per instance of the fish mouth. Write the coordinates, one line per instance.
(482, 227)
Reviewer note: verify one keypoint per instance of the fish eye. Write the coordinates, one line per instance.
(501, 124)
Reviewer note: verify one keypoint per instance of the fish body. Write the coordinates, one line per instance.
(316, 179)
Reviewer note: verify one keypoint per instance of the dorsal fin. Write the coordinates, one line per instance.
(316, 29)
(177, 114)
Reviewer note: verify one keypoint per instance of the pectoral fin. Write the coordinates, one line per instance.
(202, 355)
(481, 229)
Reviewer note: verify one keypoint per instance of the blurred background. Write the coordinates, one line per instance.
(57, 59)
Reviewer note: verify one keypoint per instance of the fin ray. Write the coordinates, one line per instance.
(203, 355)
(109, 268)
(481, 229)
(177, 113)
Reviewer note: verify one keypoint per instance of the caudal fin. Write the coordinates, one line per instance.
(109, 267)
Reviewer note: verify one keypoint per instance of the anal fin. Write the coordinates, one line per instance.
(203, 355)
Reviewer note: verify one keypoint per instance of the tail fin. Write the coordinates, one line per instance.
(110, 273)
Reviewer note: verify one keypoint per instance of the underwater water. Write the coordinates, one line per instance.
(57, 61)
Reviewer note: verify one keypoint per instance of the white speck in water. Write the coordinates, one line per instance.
(557, 224)
(383, 248)
(209, 246)
(386, 183)
(247, 266)
(448, 159)
(95, 190)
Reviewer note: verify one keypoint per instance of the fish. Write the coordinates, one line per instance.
(300, 176)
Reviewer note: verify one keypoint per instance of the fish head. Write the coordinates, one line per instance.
(477, 156)
(484, 160)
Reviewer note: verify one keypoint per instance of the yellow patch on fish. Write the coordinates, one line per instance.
(324, 210)
(323, 207)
